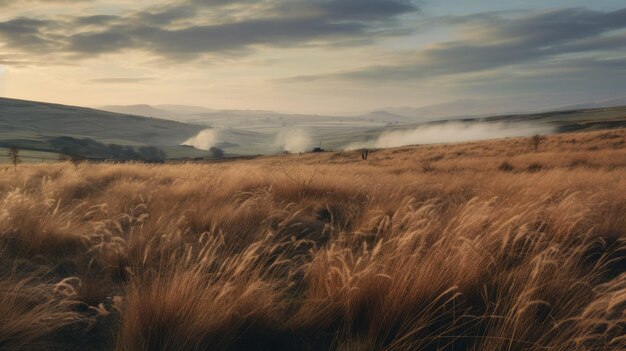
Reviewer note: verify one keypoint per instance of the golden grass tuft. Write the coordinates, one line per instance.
(31, 312)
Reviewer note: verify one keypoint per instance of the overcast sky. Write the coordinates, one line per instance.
(311, 56)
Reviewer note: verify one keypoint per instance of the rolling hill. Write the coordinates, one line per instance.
(37, 126)
(45, 119)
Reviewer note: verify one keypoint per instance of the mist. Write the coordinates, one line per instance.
(294, 140)
(451, 133)
(204, 140)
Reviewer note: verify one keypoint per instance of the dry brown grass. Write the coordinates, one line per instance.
(420, 248)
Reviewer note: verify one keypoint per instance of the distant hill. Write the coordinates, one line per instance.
(475, 108)
(456, 109)
(255, 119)
(596, 104)
(465, 108)
(53, 119)
(567, 120)
(140, 110)
(38, 125)
(185, 109)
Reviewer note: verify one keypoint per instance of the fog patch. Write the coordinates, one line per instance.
(294, 140)
(204, 140)
(451, 133)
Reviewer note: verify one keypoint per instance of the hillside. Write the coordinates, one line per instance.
(141, 110)
(44, 119)
(35, 125)
(493, 245)
(571, 119)
(621, 101)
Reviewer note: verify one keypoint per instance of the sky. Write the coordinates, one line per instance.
(311, 56)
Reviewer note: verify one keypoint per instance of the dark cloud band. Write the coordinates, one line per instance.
(194, 28)
(498, 42)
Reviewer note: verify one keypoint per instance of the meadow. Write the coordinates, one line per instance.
(493, 245)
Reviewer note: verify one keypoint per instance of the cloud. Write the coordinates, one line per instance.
(25, 34)
(494, 41)
(11, 2)
(125, 80)
(479, 50)
(347, 9)
(194, 28)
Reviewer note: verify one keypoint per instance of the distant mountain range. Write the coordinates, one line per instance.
(466, 108)
(598, 104)
(492, 107)
(140, 110)
(253, 118)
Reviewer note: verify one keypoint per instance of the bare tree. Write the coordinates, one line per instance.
(536, 140)
(14, 156)
(365, 154)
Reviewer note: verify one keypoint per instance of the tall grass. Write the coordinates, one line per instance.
(322, 252)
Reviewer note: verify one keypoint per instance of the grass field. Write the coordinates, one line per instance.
(477, 246)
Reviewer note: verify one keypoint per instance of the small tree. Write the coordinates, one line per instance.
(14, 156)
(216, 152)
(152, 154)
(536, 140)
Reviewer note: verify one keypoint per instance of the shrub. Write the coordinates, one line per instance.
(427, 166)
(506, 167)
(216, 152)
(536, 140)
(534, 167)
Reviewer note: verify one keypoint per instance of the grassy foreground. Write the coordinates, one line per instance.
(478, 246)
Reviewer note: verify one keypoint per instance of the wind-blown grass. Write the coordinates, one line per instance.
(322, 252)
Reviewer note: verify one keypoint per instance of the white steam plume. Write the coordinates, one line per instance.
(294, 140)
(204, 140)
(451, 133)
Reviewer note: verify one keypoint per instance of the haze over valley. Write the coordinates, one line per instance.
(190, 132)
